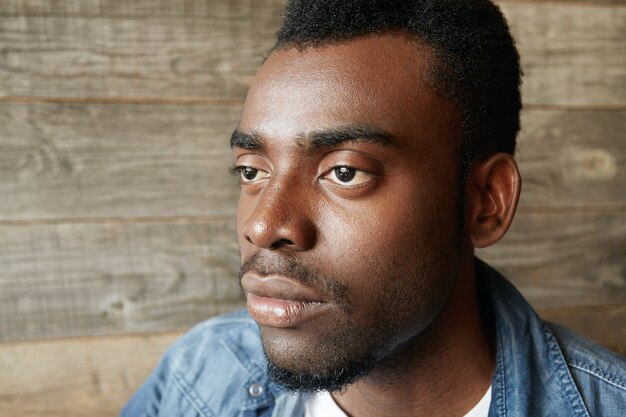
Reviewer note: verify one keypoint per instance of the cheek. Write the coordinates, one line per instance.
(392, 244)
(373, 230)
(365, 244)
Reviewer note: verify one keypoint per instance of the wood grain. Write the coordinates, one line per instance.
(602, 324)
(565, 259)
(572, 53)
(77, 377)
(188, 9)
(603, 3)
(213, 54)
(573, 159)
(62, 161)
(67, 280)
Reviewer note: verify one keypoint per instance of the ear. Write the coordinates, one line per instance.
(492, 194)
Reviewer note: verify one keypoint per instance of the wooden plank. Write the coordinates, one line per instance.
(572, 268)
(572, 159)
(189, 9)
(91, 377)
(573, 54)
(565, 259)
(182, 56)
(61, 161)
(65, 280)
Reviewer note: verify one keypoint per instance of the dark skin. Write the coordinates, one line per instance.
(350, 164)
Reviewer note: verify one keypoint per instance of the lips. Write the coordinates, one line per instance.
(278, 301)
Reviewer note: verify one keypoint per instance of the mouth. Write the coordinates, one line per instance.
(279, 301)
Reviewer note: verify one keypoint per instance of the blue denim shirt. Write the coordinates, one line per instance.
(218, 369)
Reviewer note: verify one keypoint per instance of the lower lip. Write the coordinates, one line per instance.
(274, 312)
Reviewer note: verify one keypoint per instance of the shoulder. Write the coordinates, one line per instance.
(599, 374)
(547, 369)
(205, 372)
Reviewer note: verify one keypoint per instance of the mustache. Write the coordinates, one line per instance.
(295, 268)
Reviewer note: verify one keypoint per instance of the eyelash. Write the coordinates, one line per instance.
(235, 170)
(354, 186)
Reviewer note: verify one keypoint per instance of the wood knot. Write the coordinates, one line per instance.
(589, 164)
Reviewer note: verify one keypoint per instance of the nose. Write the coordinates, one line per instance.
(280, 219)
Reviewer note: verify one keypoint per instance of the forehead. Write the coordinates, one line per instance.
(379, 81)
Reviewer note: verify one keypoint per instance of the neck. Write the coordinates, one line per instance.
(443, 373)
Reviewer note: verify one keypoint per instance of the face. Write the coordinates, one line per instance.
(348, 218)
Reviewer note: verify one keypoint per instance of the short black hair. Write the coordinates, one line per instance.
(476, 61)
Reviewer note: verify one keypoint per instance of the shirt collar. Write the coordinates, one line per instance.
(531, 376)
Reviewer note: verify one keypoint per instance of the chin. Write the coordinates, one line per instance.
(317, 363)
(319, 378)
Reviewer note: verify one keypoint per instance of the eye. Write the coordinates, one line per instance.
(249, 174)
(348, 176)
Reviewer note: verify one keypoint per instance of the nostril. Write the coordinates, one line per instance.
(248, 239)
(281, 243)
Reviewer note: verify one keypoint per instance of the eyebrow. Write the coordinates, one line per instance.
(243, 140)
(350, 133)
(321, 138)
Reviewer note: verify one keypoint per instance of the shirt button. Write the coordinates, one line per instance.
(255, 390)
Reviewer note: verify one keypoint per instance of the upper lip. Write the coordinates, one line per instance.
(279, 287)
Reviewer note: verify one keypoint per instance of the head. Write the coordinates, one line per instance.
(375, 152)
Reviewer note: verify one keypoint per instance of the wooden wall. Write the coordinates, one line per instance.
(116, 212)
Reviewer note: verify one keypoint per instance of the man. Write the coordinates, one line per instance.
(374, 154)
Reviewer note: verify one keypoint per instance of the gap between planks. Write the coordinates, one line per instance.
(583, 3)
(206, 219)
(588, 3)
(186, 101)
(118, 220)
(183, 101)
(617, 209)
(175, 333)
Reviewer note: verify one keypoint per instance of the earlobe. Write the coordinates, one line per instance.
(492, 194)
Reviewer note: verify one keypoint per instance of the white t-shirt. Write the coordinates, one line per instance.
(323, 405)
